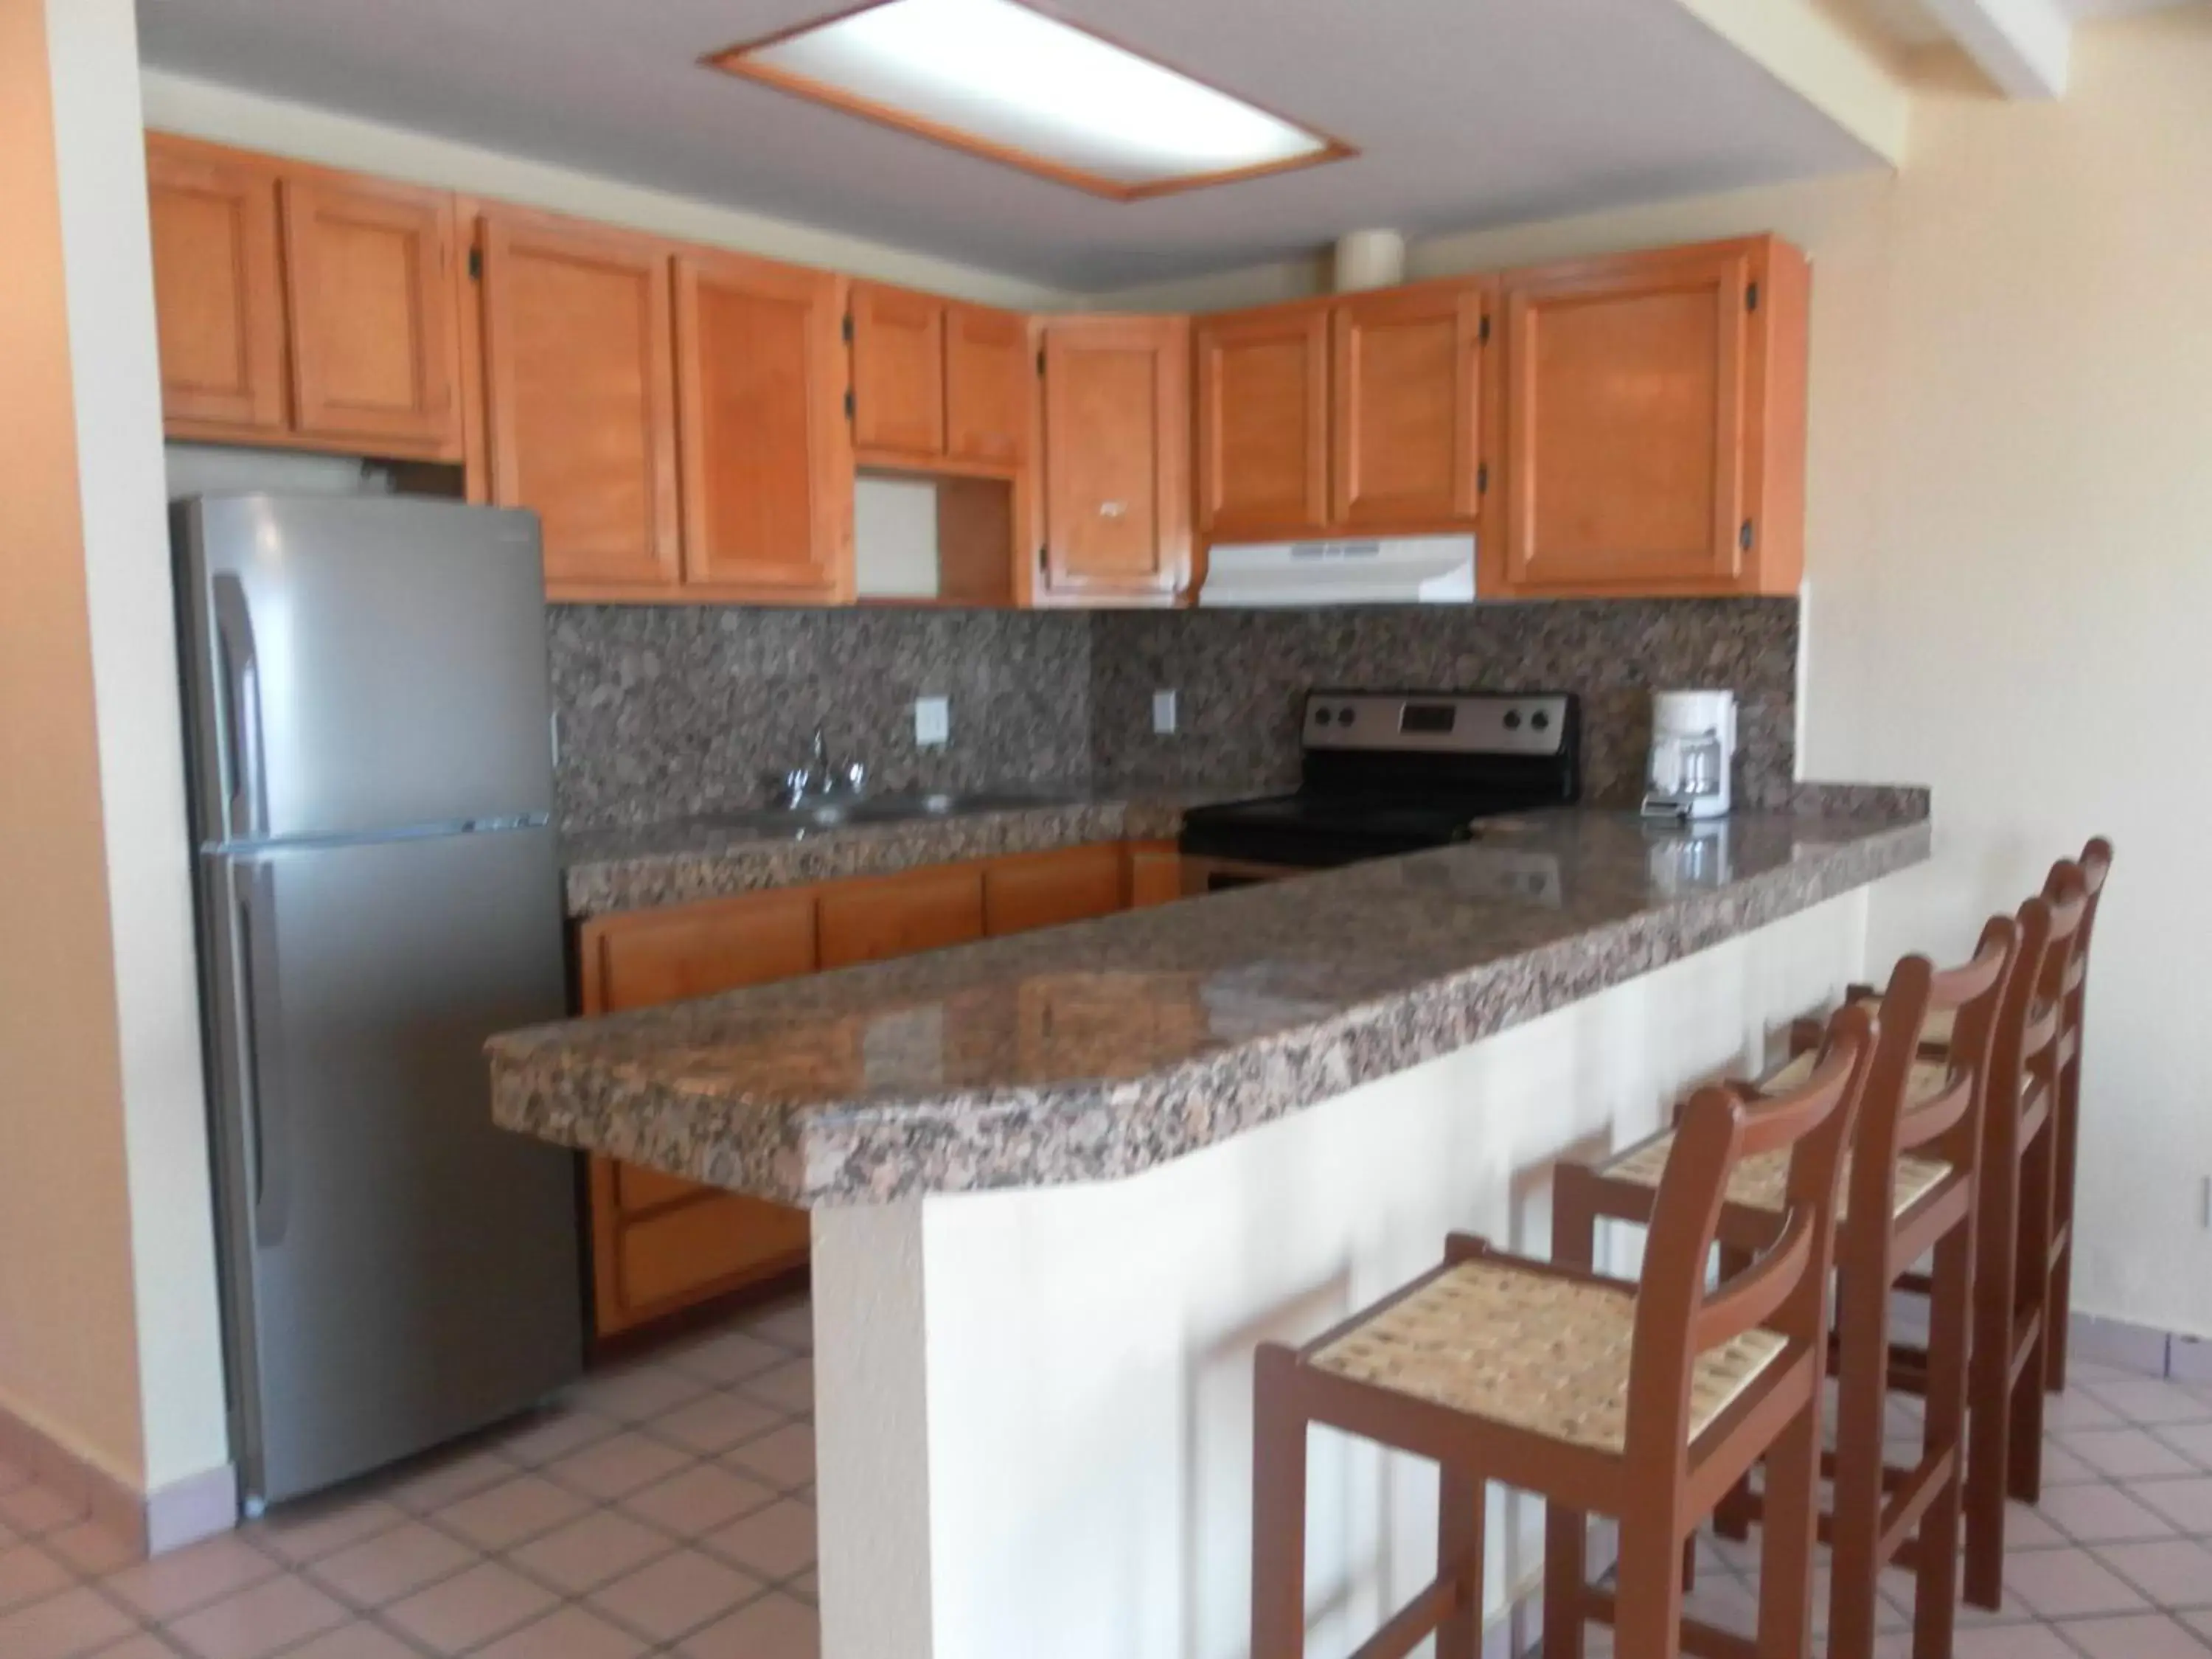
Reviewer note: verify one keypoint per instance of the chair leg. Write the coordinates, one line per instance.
(1788, 1523)
(1863, 1309)
(1739, 1506)
(1461, 1500)
(1950, 1310)
(2032, 1288)
(1566, 1580)
(1988, 1422)
(1279, 1508)
(1648, 1607)
(2058, 1310)
(2057, 1316)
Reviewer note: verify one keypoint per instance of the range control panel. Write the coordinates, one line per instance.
(1444, 723)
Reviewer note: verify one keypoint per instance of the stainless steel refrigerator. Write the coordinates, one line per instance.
(371, 779)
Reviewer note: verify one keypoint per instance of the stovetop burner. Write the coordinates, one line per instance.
(1388, 773)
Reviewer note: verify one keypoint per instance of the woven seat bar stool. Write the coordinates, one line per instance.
(2014, 1201)
(1908, 1190)
(1643, 1400)
(2095, 865)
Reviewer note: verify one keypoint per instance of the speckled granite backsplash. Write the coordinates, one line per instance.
(1239, 675)
(667, 710)
(674, 709)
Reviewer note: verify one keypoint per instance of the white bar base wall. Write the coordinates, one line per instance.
(1034, 1421)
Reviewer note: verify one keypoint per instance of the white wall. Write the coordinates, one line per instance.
(2009, 519)
(110, 264)
(203, 109)
(1034, 1430)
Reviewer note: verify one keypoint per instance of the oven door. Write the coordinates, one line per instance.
(1202, 873)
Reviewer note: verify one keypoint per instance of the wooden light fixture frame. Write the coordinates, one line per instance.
(739, 60)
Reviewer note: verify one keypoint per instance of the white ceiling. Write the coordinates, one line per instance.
(1467, 113)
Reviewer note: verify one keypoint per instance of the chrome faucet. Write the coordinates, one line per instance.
(821, 778)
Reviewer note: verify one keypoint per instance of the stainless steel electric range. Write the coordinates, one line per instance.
(1388, 772)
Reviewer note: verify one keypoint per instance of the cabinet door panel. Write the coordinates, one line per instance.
(218, 286)
(989, 379)
(898, 372)
(582, 397)
(900, 915)
(1116, 423)
(1052, 889)
(369, 280)
(1155, 874)
(1407, 380)
(767, 463)
(1263, 424)
(642, 960)
(1626, 423)
(675, 1257)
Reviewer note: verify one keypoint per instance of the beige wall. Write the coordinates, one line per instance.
(67, 1346)
(2010, 553)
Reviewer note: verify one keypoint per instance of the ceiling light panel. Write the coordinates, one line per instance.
(1007, 82)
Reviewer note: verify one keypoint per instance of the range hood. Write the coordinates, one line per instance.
(1384, 570)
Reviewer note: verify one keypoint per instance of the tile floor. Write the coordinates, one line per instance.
(667, 1508)
(663, 1507)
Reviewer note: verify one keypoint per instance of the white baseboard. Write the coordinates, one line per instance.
(183, 1512)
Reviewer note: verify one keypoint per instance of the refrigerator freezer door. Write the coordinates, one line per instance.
(358, 665)
(398, 1270)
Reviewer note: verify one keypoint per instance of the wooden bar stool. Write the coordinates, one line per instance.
(1908, 1191)
(2095, 865)
(2012, 1234)
(1645, 1401)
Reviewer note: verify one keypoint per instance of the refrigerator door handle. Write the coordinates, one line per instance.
(261, 1057)
(247, 809)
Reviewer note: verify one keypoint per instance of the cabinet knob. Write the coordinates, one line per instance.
(1112, 510)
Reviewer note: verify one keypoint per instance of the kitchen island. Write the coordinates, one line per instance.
(1062, 1183)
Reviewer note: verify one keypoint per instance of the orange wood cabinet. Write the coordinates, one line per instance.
(1116, 496)
(1654, 432)
(1155, 873)
(874, 919)
(580, 373)
(219, 286)
(766, 454)
(1263, 419)
(661, 1245)
(303, 307)
(1050, 889)
(1406, 403)
(938, 381)
(1357, 414)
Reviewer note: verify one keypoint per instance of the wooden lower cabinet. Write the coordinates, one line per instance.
(1155, 873)
(661, 1244)
(1050, 889)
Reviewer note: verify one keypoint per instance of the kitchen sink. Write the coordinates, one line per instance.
(903, 808)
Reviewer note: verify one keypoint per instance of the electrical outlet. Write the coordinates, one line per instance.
(1164, 713)
(932, 721)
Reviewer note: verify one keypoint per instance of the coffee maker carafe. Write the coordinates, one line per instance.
(1693, 753)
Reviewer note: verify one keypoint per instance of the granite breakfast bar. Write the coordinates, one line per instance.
(1062, 1183)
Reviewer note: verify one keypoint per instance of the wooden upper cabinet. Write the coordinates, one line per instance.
(1263, 422)
(766, 457)
(900, 915)
(1117, 440)
(1655, 408)
(1405, 448)
(990, 378)
(369, 286)
(898, 372)
(580, 397)
(218, 288)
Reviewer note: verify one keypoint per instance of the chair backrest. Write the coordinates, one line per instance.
(2088, 874)
(1785, 1287)
(2032, 1018)
(1898, 1116)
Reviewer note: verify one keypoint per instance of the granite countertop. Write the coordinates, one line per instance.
(685, 860)
(1097, 1050)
